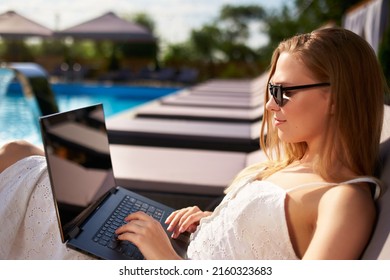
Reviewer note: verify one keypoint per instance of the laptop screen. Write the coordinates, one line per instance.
(79, 163)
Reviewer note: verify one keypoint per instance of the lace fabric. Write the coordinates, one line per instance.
(29, 224)
(249, 223)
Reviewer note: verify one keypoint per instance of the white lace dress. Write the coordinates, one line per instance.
(29, 228)
(249, 223)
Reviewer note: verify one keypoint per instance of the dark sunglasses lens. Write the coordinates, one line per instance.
(277, 94)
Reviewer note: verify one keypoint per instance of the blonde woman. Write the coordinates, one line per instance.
(314, 198)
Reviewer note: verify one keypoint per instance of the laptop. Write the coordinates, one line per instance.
(88, 202)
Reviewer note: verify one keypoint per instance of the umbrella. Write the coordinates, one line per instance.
(110, 27)
(15, 26)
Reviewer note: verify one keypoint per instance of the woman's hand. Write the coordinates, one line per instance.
(148, 235)
(186, 219)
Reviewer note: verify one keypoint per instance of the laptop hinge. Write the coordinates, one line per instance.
(114, 190)
(74, 232)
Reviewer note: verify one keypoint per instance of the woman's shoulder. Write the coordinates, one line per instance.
(345, 219)
(349, 199)
(357, 190)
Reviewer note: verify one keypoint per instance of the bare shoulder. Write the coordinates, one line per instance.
(351, 203)
(345, 219)
(351, 195)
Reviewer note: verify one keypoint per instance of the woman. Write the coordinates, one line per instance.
(322, 124)
(323, 120)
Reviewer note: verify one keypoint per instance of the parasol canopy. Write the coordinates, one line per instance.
(15, 26)
(108, 27)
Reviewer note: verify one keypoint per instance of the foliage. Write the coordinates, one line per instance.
(145, 20)
(179, 52)
(304, 16)
(137, 50)
(141, 49)
(224, 41)
(16, 51)
(237, 19)
(53, 47)
(206, 41)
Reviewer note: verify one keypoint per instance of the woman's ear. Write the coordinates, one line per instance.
(332, 108)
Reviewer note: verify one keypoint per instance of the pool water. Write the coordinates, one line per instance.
(17, 120)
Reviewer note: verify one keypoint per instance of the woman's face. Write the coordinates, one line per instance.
(304, 116)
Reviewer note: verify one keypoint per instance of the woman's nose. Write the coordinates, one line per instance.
(271, 105)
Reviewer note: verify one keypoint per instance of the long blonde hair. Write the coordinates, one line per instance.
(352, 139)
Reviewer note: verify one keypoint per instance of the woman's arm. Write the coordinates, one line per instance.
(346, 216)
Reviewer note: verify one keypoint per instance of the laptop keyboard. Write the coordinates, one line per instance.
(106, 234)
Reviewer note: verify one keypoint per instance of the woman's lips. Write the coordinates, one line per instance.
(279, 121)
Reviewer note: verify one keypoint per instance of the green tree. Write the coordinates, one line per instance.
(236, 20)
(145, 20)
(50, 46)
(179, 52)
(316, 13)
(16, 51)
(140, 49)
(224, 40)
(206, 41)
(300, 17)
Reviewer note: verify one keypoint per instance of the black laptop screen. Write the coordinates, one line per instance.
(78, 157)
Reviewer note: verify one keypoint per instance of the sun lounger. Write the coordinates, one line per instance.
(243, 86)
(183, 120)
(379, 245)
(229, 101)
(176, 177)
(157, 110)
(232, 87)
(191, 95)
(207, 135)
(171, 170)
(190, 98)
(226, 93)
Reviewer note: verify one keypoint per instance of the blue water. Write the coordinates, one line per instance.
(17, 120)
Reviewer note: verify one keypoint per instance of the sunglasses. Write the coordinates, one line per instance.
(278, 92)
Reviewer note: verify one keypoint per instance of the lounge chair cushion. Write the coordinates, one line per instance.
(379, 246)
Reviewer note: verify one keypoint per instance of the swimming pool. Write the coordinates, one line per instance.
(17, 120)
